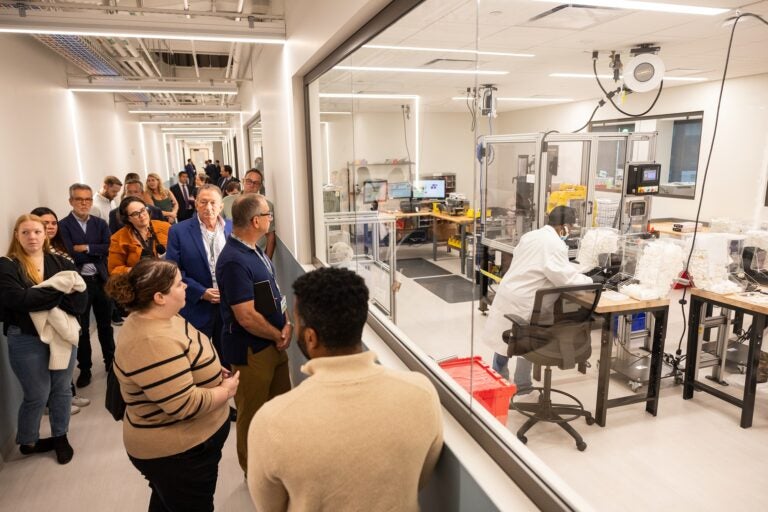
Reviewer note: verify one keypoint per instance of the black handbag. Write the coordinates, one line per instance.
(113, 401)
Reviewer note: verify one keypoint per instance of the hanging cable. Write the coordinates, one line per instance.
(682, 301)
(405, 138)
(610, 97)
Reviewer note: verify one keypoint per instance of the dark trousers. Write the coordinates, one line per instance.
(185, 482)
(102, 310)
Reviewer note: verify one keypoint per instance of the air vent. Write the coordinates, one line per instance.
(204, 60)
(574, 17)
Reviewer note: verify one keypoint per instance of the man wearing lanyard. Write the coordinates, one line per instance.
(195, 245)
(257, 329)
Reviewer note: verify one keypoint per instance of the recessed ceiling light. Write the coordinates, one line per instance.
(335, 113)
(588, 75)
(646, 6)
(421, 70)
(445, 50)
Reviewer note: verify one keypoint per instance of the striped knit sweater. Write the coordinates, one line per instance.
(166, 369)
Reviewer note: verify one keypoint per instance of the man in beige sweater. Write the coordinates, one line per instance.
(353, 435)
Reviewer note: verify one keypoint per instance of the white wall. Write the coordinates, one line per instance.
(313, 29)
(739, 160)
(43, 125)
(446, 144)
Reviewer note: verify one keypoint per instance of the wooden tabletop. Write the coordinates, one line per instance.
(458, 219)
(737, 300)
(627, 305)
(665, 228)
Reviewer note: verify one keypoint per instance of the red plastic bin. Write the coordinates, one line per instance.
(487, 387)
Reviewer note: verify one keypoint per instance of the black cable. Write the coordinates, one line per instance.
(599, 104)
(472, 111)
(610, 97)
(706, 172)
(405, 137)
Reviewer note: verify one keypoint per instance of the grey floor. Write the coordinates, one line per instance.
(100, 476)
(692, 456)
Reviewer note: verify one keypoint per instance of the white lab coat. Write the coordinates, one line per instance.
(540, 260)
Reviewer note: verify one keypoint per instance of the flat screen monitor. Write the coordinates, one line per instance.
(429, 189)
(651, 174)
(374, 190)
(399, 190)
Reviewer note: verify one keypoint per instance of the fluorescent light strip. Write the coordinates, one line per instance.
(75, 131)
(195, 134)
(201, 129)
(647, 6)
(367, 96)
(183, 122)
(445, 50)
(420, 70)
(151, 91)
(555, 100)
(588, 75)
(141, 35)
(335, 113)
(184, 111)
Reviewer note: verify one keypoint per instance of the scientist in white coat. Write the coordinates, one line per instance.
(539, 261)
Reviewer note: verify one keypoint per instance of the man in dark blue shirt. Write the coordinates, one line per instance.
(257, 329)
(86, 238)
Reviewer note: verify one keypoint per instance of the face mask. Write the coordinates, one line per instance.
(564, 236)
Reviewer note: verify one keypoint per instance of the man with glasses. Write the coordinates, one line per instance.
(257, 330)
(254, 184)
(86, 239)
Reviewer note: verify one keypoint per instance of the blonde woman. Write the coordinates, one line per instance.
(157, 195)
(30, 262)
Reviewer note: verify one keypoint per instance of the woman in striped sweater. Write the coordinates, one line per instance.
(175, 389)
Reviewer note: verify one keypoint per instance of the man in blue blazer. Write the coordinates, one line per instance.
(86, 239)
(195, 244)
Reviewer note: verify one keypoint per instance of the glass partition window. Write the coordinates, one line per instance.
(678, 149)
(443, 142)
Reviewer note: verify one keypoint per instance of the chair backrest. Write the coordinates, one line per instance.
(559, 333)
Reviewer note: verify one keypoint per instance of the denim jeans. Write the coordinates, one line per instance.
(29, 361)
(523, 371)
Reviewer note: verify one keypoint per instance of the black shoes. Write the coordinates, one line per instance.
(42, 445)
(232, 414)
(64, 451)
(83, 379)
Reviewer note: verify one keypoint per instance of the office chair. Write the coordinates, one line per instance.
(557, 335)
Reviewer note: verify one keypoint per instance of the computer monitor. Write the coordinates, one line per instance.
(399, 190)
(374, 191)
(429, 189)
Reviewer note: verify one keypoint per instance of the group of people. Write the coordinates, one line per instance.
(207, 321)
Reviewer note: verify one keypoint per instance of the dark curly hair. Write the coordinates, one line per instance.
(333, 302)
(136, 290)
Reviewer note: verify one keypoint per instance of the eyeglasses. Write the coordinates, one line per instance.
(252, 182)
(268, 214)
(138, 213)
(82, 199)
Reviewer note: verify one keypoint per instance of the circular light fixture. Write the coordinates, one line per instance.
(644, 72)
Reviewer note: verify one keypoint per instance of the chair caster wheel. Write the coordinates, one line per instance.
(590, 420)
(581, 446)
(522, 439)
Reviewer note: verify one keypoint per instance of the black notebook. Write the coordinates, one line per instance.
(263, 300)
